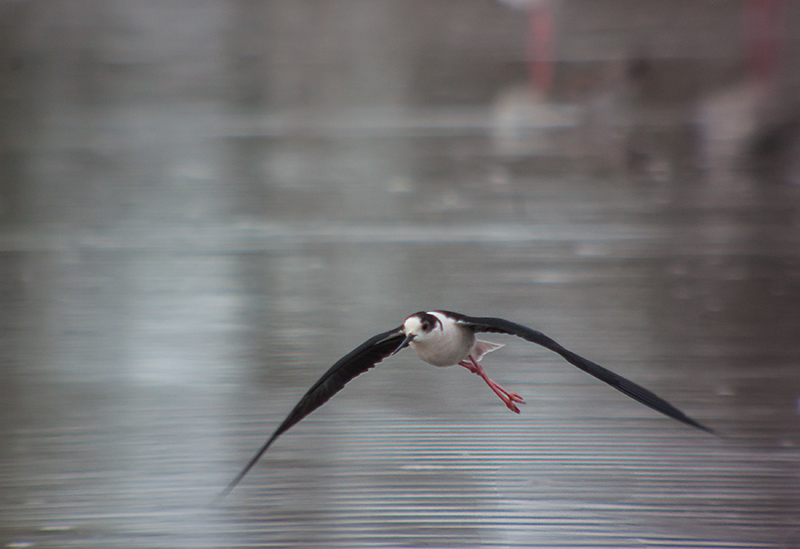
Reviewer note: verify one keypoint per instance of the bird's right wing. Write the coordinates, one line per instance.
(356, 362)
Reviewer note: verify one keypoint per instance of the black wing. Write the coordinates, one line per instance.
(637, 392)
(356, 362)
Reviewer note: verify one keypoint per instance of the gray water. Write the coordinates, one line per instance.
(203, 208)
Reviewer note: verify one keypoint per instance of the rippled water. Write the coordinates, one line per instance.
(139, 381)
(186, 246)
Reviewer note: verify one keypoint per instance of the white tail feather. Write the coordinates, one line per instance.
(483, 347)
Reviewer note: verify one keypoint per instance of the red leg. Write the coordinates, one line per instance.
(509, 399)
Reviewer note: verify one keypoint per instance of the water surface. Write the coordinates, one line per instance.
(192, 235)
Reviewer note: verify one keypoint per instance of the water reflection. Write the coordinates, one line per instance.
(200, 210)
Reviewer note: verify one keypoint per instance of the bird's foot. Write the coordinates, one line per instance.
(509, 399)
(511, 406)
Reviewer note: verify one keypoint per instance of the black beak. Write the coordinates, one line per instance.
(404, 344)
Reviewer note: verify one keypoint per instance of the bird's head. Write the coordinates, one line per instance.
(417, 326)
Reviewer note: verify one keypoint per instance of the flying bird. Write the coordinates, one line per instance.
(445, 338)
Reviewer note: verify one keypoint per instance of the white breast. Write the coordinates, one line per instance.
(444, 346)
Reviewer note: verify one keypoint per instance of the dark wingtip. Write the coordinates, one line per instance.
(229, 488)
(702, 427)
(708, 430)
(357, 361)
(232, 484)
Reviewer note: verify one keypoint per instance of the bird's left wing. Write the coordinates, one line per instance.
(626, 386)
(356, 362)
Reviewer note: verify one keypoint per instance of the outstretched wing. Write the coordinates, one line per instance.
(633, 390)
(356, 362)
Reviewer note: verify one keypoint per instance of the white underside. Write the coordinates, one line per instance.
(451, 344)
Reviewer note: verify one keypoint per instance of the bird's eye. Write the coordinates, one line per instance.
(426, 326)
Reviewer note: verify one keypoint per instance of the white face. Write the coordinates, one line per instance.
(412, 325)
(422, 324)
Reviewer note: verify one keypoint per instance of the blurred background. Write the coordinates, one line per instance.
(204, 204)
